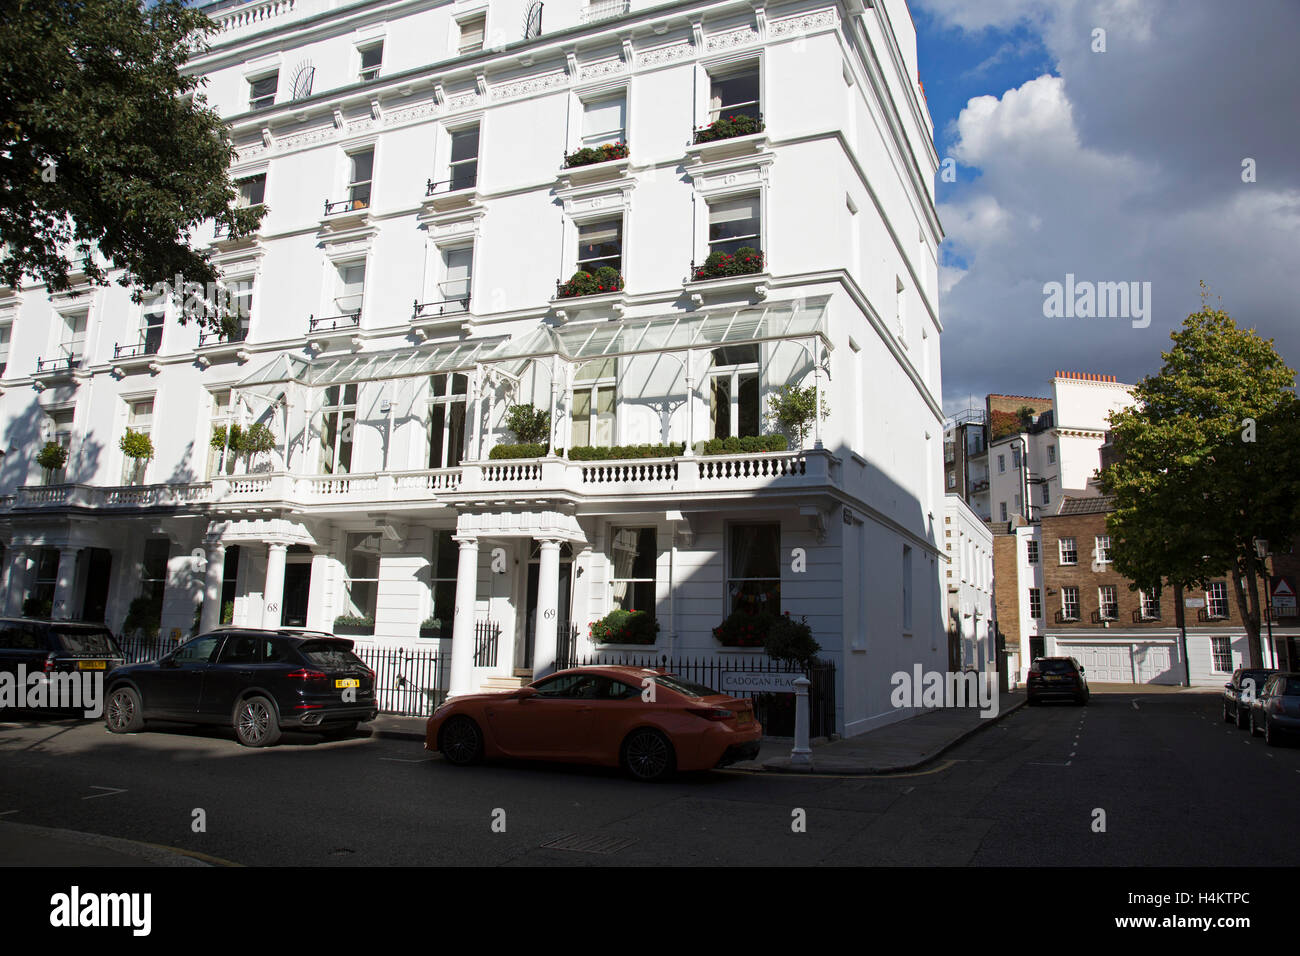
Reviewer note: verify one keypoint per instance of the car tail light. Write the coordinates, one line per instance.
(49, 662)
(307, 675)
(711, 713)
(1034, 673)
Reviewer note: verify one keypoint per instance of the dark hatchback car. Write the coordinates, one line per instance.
(1238, 693)
(54, 647)
(1275, 711)
(259, 682)
(1056, 678)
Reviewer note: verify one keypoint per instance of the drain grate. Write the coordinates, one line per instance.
(577, 843)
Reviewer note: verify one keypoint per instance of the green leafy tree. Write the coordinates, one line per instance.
(794, 409)
(1206, 461)
(106, 148)
(531, 425)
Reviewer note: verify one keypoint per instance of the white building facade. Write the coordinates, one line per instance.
(968, 542)
(402, 293)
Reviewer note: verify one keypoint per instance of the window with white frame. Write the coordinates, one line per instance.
(593, 407)
(1015, 457)
(72, 336)
(734, 392)
(457, 271)
(252, 191)
(907, 587)
(221, 459)
(952, 480)
(1150, 602)
(351, 287)
(1002, 511)
(1019, 505)
(1102, 546)
(1046, 494)
(1051, 454)
(633, 555)
(448, 397)
(734, 92)
(338, 422)
(604, 120)
(462, 163)
(754, 567)
(735, 223)
(1070, 603)
(472, 31)
(139, 419)
(6, 334)
(1036, 604)
(442, 581)
(1002, 464)
(1033, 550)
(361, 574)
(1221, 654)
(361, 175)
(1108, 602)
(1069, 551)
(600, 244)
(261, 90)
(60, 432)
(151, 331)
(240, 297)
(372, 57)
(1216, 599)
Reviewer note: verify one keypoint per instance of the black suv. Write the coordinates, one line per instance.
(1056, 678)
(56, 647)
(256, 681)
(1237, 694)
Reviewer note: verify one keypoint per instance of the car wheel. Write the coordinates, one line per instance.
(255, 722)
(334, 731)
(1254, 729)
(648, 755)
(1243, 720)
(461, 741)
(123, 714)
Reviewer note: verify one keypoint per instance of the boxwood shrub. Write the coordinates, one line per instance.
(624, 452)
(739, 445)
(529, 450)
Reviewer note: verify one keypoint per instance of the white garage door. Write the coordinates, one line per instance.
(1107, 663)
(1154, 664)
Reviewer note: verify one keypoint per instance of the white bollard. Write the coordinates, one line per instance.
(801, 753)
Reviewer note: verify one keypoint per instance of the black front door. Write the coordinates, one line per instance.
(297, 588)
(530, 608)
(98, 573)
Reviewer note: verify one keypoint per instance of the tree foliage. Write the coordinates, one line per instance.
(794, 409)
(108, 154)
(531, 425)
(1206, 461)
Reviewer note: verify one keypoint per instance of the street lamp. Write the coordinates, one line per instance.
(1261, 549)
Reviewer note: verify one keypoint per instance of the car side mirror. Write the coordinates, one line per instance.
(525, 693)
(1228, 686)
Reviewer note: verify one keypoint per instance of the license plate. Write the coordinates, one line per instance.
(92, 665)
(744, 717)
(347, 682)
(1050, 678)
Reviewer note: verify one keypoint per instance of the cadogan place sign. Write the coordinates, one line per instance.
(762, 683)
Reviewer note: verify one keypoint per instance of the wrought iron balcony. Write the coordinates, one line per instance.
(61, 363)
(1147, 615)
(333, 323)
(356, 204)
(464, 180)
(218, 336)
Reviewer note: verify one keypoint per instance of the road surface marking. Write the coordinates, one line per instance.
(109, 791)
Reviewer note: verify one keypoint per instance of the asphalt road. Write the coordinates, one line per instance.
(1170, 776)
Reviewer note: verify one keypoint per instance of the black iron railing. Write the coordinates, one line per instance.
(147, 346)
(466, 180)
(332, 323)
(1104, 615)
(63, 363)
(449, 306)
(215, 336)
(1067, 617)
(1211, 614)
(347, 205)
(1142, 615)
(487, 636)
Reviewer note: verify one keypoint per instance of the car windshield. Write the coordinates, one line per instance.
(79, 641)
(682, 686)
(1049, 666)
(329, 654)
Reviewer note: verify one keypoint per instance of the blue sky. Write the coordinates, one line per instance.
(1119, 165)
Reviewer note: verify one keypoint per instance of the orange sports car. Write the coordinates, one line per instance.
(645, 721)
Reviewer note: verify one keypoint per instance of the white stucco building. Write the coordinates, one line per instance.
(968, 579)
(401, 294)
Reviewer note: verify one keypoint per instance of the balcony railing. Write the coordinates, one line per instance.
(978, 485)
(1146, 615)
(355, 204)
(455, 299)
(1067, 617)
(61, 363)
(1205, 614)
(147, 346)
(604, 9)
(333, 323)
(1105, 615)
(465, 180)
(218, 336)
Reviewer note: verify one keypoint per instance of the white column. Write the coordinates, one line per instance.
(817, 398)
(213, 577)
(462, 625)
(17, 580)
(548, 597)
(550, 437)
(62, 607)
(273, 593)
(690, 402)
(317, 593)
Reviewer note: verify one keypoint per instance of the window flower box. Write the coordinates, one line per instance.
(350, 625)
(719, 265)
(603, 281)
(590, 155)
(728, 127)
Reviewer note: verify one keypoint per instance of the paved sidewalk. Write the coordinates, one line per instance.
(898, 747)
(25, 845)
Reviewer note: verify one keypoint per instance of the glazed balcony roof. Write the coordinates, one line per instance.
(372, 366)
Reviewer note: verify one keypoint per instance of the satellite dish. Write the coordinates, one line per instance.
(302, 80)
(533, 21)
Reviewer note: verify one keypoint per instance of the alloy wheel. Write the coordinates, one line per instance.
(254, 720)
(460, 741)
(121, 710)
(647, 755)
